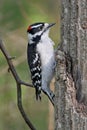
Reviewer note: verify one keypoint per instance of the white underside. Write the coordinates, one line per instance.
(46, 51)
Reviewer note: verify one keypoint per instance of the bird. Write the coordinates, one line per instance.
(41, 58)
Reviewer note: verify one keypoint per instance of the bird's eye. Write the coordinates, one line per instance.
(40, 28)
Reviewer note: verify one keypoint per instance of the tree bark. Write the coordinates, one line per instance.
(71, 70)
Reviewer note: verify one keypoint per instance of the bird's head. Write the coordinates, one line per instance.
(38, 31)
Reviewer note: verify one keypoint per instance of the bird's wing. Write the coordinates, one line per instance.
(35, 69)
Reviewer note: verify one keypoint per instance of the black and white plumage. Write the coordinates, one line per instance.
(41, 58)
(35, 68)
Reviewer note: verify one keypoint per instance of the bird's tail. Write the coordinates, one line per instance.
(38, 93)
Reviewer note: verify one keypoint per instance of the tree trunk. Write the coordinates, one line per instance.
(71, 70)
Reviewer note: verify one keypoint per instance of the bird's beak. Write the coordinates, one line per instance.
(50, 25)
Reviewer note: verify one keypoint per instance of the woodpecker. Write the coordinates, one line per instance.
(41, 58)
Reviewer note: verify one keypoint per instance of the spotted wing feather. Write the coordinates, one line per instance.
(35, 68)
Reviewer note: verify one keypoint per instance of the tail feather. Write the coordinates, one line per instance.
(38, 94)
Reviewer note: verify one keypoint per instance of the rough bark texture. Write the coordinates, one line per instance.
(71, 70)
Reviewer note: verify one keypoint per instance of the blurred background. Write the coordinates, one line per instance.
(15, 17)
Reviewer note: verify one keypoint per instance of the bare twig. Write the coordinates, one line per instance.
(19, 82)
(19, 100)
(11, 66)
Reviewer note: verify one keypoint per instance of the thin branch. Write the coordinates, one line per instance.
(11, 66)
(19, 101)
(19, 82)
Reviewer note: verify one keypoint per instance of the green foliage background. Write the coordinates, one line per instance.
(15, 16)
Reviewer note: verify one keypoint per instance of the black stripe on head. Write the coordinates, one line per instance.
(37, 24)
(36, 27)
(36, 39)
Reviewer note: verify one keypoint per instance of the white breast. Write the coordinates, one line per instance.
(46, 51)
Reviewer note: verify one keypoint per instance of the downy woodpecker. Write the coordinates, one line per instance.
(41, 58)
